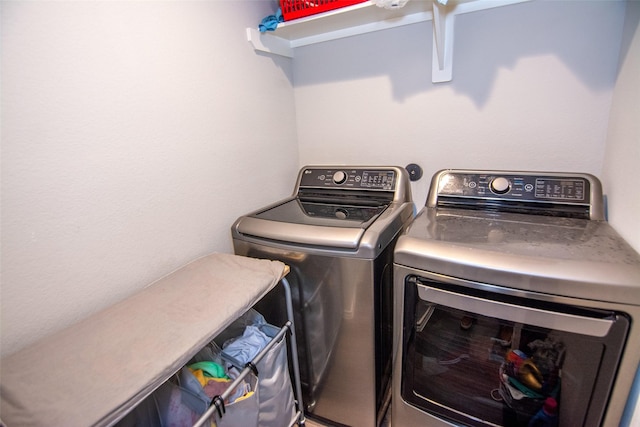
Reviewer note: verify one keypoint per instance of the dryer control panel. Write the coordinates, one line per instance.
(542, 193)
(515, 187)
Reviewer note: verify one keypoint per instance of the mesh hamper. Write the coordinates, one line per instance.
(243, 412)
(274, 389)
(276, 404)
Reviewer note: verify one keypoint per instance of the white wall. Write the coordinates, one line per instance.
(622, 157)
(133, 135)
(531, 90)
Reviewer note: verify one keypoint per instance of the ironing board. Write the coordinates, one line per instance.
(96, 371)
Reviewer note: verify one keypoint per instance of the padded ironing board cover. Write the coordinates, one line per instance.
(96, 371)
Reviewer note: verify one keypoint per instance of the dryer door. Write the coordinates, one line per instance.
(485, 359)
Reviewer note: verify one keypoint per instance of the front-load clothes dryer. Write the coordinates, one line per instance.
(337, 233)
(517, 304)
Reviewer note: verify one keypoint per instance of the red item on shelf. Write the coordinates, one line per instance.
(293, 9)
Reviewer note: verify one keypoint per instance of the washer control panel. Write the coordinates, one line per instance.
(349, 178)
(504, 186)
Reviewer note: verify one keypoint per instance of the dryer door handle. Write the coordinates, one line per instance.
(595, 327)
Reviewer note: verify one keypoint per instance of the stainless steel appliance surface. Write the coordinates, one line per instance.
(515, 301)
(336, 232)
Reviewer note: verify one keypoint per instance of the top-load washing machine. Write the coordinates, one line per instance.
(336, 232)
(517, 304)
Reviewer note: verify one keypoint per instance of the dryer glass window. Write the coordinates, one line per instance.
(475, 362)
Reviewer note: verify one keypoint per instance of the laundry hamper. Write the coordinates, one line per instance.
(108, 368)
(262, 390)
(177, 404)
(276, 406)
(293, 9)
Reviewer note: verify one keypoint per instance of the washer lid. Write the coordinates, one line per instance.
(311, 223)
(342, 215)
(558, 256)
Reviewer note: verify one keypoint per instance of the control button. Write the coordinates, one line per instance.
(528, 187)
(341, 214)
(339, 177)
(472, 184)
(500, 185)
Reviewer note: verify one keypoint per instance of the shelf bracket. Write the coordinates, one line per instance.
(269, 43)
(364, 18)
(442, 57)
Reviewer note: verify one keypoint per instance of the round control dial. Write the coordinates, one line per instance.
(500, 185)
(341, 214)
(339, 177)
